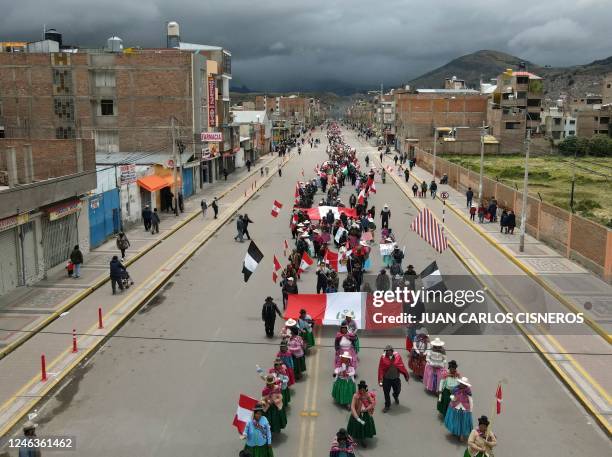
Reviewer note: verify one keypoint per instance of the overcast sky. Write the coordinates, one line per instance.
(291, 44)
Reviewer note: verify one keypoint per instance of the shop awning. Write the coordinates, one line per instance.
(154, 182)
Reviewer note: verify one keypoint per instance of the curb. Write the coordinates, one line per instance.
(55, 382)
(567, 382)
(72, 302)
(533, 275)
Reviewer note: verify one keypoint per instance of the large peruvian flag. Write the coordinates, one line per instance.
(329, 309)
(244, 413)
(320, 212)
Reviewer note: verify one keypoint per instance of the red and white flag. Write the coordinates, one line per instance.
(370, 185)
(362, 196)
(373, 187)
(305, 263)
(274, 277)
(296, 194)
(334, 261)
(287, 243)
(498, 396)
(426, 225)
(277, 265)
(276, 206)
(244, 413)
(319, 212)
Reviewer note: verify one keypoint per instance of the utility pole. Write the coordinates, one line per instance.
(175, 170)
(525, 190)
(382, 115)
(482, 135)
(434, 151)
(573, 181)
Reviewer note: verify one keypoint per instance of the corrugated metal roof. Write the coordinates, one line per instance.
(198, 47)
(525, 73)
(247, 117)
(447, 91)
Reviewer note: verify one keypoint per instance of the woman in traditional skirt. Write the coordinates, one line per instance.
(342, 445)
(435, 368)
(361, 424)
(287, 359)
(258, 435)
(344, 342)
(481, 440)
(418, 355)
(458, 419)
(280, 371)
(272, 399)
(344, 385)
(305, 324)
(286, 331)
(447, 384)
(387, 258)
(296, 347)
(351, 325)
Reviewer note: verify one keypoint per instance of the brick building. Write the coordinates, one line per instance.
(43, 205)
(607, 90)
(418, 114)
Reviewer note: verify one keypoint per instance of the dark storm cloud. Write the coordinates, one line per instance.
(284, 45)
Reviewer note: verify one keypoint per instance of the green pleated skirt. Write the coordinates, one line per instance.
(357, 346)
(442, 405)
(360, 432)
(277, 418)
(259, 451)
(299, 365)
(310, 339)
(343, 391)
(286, 396)
(467, 454)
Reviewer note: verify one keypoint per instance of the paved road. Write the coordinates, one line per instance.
(168, 383)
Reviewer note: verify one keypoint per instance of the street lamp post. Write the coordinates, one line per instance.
(434, 151)
(482, 135)
(525, 190)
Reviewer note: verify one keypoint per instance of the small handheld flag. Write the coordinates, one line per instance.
(252, 258)
(276, 207)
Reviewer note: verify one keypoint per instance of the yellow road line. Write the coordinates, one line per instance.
(51, 383)
(530, 272)
(602, 420)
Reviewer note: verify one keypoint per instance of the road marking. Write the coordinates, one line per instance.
(199, 240)
(557, 368)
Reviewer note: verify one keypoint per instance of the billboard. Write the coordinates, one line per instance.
(211, 137)
(212, 102)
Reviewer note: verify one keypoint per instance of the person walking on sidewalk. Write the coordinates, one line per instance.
(117, 272)
(29, 435)
(146, 217)
(246, 220)
(155, 222)
(423, 189)
(415, 190)
(472, 212)
(268, 315)
(510, 222)
(406, 174)
(76, 257)
(225, 173)
(204, 207)
(469, 195)
(239, 228)
(122, 244)
(433, 188)
(390, 367)
(215, 207)
(481, 212)
(248, 165)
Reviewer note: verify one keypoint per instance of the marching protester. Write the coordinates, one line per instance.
(435, 366)
(344, 386)
(481, 440)
(458, 419)
(258, 435)
(448, 382)
(361, 424)
(268, 315)
(390, 367)
(342, 445)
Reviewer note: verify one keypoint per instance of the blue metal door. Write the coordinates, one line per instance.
(187, 182)
(104, 216)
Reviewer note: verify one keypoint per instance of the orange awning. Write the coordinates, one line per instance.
(154, 182)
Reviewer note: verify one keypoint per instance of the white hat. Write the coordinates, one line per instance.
(364, 243)
(306, 222)
(290, 323)
(386, 206)
(346, 355)
(300, 225)
(350, 314)
(465, 381)
(290, 279)
(389, 239)
(437, 342)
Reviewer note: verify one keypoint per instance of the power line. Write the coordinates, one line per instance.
(276, 344)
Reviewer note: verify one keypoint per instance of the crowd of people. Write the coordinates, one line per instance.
(352, 232)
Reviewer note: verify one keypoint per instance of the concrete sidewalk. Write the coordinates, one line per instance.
(153, 259)
(579, 355)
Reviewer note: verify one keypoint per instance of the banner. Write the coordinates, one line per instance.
(212, 102)
(127, 174)
(211, 137)
(386, 249)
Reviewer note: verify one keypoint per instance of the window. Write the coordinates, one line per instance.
(512, 125)
(609, 86)
(556, 135)
(107, 140)
(107, 107)
(62, 81)
(64, 133)
(571, 132)
(64, 108)
(104, 78)
(2, 132)
(604, 120)
(572, 121)
(557, 121)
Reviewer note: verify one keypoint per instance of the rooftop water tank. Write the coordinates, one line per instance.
(53, 35)
(114, 44)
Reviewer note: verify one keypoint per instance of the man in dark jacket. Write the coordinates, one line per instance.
(397, 256)
(383, 282)
(469, 195)
(349, 284)
(321, 280)
(240, 229)
(117, 271)
(289, 287)
(215, 207)
(268, 315)
(406, 174)
(155, 222)
(76, 257)
(385, 215)
(329, 217)
(246, 221)
(146, 218)
(352, 200)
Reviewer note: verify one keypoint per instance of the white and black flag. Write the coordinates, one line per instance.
(432, 278)
(252, 258)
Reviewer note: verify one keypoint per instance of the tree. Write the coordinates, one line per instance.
(600, 145)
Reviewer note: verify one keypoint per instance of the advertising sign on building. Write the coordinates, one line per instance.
(65, 209)
(212, 102)
(127, 174)
(212, 137)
